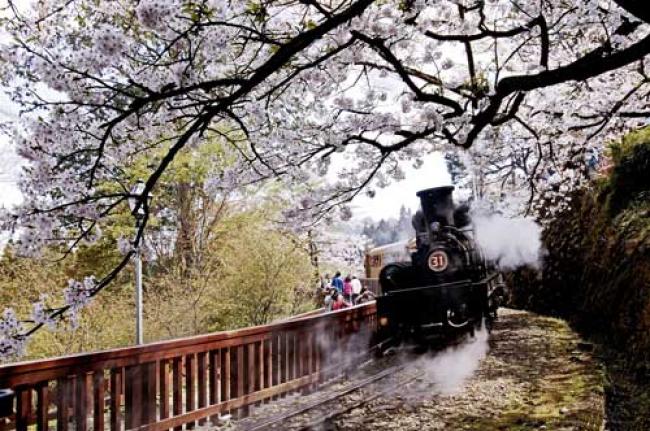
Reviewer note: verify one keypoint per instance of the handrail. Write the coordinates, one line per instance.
(230, 369)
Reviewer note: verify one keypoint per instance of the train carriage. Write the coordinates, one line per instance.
(376, 258)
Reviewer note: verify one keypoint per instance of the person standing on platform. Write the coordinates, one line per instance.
(337, 282)
(329, 298)
(356, 289)
(365, 296)
(347, 289)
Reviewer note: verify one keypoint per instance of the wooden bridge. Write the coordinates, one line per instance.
(181, 383)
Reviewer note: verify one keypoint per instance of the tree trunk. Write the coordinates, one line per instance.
(186, 229)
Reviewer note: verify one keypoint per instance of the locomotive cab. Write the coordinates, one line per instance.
(446, 286)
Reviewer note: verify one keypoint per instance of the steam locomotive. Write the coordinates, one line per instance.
(447, 287)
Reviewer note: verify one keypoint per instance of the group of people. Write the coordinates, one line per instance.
(342, 292)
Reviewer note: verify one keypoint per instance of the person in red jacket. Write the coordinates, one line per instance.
(339, 302)
(347, 289)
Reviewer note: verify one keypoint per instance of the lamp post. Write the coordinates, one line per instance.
(139, 214)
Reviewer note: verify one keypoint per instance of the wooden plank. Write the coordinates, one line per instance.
(149, 385)
(277, 361)
(286, 369)
(251, 371)
(23, 407)
(177, 388)
(267, 357)
(88, 382)
(202, 381)
(239, 375)
(215, 380)
(226, 378)
(133, 396)
(296, 356)
(318, 356)
(270, 355)
(116, 399)
(81, 402)
(163, 369)
(178, 421)
(309, 353)
(98, 400)
(291, 356)
(252, 368)
(62, 404)
(332, 347)
(300, 353)
(42, 405)
(284, 358)
(260, 364)
(190, 386)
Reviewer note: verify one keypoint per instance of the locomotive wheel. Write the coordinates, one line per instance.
(376, 345)
(489, 323)
(383, 345)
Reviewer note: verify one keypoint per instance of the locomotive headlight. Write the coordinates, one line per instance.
(383, 321)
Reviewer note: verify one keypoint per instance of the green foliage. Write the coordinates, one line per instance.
(215, 263)
(266, 275)
(107, 322)
(251, 275)
(630, 178)
(625, 146)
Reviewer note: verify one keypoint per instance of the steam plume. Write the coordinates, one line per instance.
(511, 242)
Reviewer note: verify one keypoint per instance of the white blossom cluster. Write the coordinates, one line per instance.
(76, 296)
(294, 88)
(340, 249)
(12, 344)
(42, 314)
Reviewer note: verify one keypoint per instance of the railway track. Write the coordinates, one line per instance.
(355, 387)
(375, 379)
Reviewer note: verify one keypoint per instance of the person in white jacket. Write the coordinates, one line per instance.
(356, 289)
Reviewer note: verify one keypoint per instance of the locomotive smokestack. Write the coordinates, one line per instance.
(437, 205)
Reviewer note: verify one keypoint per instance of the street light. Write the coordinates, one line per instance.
(135, 201)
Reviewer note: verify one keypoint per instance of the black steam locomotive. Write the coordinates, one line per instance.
(448, 286)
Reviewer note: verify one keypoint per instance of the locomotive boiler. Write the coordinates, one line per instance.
(447, 286)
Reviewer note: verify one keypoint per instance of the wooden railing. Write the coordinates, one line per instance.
(184, 382)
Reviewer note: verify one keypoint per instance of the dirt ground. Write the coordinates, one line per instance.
(530, 373)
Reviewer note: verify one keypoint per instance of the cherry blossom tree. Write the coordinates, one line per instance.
(525, 88)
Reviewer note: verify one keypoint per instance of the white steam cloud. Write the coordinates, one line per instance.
(511, 242)
(448, 371)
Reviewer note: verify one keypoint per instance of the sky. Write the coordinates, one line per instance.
(388, 201)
